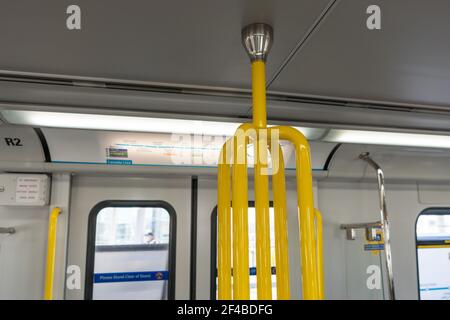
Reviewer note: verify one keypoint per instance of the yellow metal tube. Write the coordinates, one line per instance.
(241, 277)
(319, 233)
(262, 216)
(51, 251)
(305, 209)
(224, 226)
(259, 94)
(280, 222)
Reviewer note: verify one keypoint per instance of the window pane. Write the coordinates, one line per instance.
(433, 227)
(433, 254)
(131, 253)
(120, 226)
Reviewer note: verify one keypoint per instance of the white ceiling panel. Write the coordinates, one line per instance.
(194, 42)
(406, 62)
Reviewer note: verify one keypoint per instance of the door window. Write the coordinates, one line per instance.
(433, 254)
(131, 251)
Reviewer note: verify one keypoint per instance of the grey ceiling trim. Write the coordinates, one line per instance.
(292, 110)
(375, 104)
(24, 76)
(11, 81)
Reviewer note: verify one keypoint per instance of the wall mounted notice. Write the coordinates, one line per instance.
(24, 189)
(28, 189)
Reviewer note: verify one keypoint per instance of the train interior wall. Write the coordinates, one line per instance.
(345, 193)
(340, 200)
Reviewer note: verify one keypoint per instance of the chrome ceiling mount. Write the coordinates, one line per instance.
(257, 39)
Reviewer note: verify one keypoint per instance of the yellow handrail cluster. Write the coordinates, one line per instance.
(233, 243)
(51, 252)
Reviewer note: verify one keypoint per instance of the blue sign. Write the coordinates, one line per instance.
(434, 289)
(131, 276)
(373, 247)
(117, 161)
(253, 271)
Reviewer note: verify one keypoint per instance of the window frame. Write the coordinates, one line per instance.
(92, 228)
(435, 211)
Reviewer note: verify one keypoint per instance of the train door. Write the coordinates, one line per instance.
(130, 237)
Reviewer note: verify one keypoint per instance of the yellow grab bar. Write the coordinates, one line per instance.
(262, 215)
(281, 226)
(259, 93)
(51, 251)
(306, 213)
(224, 227)
(257, 41)
(319, 232)
(241, 277)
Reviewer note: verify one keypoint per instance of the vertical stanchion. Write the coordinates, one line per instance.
(281, 227)
(319, 233)
(241, 278)
(51, 252)
(224, 226)
(257, 39)
(262, 219)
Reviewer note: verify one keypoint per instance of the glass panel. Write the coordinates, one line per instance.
(433, 227)
(433, 256)
(131, 253)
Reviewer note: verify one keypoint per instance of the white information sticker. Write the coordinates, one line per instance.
(28, 189)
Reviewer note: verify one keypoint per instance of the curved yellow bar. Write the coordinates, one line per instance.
(51, 251)
(241, 277)
(281, 228)
(319, 228)
(306, 210)
(224, 225)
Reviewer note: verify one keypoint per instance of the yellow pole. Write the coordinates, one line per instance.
(259, 94)
(263, 267)
(281, 233)
(319, 228)
(51, 251)
(241, 277)
(305, 210)
(224, 226)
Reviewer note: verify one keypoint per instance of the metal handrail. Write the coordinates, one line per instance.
(384, 221)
